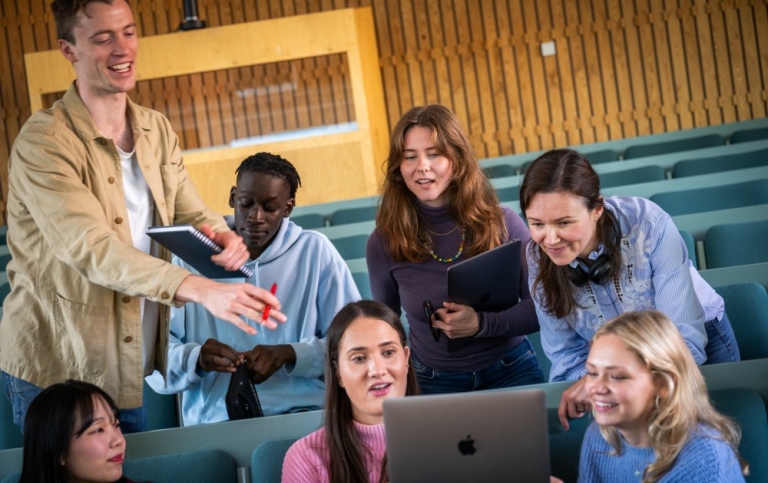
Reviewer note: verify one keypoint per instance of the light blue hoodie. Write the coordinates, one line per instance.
(313, 284)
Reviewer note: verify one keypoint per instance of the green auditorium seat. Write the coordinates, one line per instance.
(713, 198)
(747, 307)
(350, 247)
(267, 460)
(747, 135)
(4, 259)
(602, 156)
(363, 284)
(690, 244)
(716, 164)
(565, 446)
(666, 147)
(161, 410)
(204, 466)
(353, 215)
(499, 171)
(509, 193)
(747, 408)
(643, 174)
(10, 434)
(544, 364)
(731, 244)
(309, 221)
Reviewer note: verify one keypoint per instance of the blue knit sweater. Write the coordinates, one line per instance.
(703, 459)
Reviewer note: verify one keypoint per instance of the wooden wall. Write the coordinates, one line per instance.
(623, 68)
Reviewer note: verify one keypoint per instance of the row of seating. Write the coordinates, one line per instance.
(261, 460)
(653, 176)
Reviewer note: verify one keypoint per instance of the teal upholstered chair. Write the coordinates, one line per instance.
(509, 193)
(363, 284)
(352, 246)
(656, 148)
(353, 215)
(309, 221)
(713, 198)
(716, 164)
(733, 244)
(747, 307)
(747, 135)
(643, 174)
(205, 466)
(499, 171)
(748, 409)
(690, 245)
(267, 460)
(544, 364)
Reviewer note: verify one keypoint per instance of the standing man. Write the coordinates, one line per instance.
(89, 291)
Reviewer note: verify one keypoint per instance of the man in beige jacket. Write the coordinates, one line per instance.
(89, 291)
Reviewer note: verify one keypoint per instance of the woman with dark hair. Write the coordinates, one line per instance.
(366, 362)
(592, 258)
(71, 433)
(654, 421)
(438, 208)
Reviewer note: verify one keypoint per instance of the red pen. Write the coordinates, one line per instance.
(265, 316)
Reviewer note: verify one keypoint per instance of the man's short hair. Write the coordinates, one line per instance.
(65, 14)
(272, 164)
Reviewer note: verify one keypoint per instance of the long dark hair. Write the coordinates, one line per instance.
(50, 425)
(566, 171)
(472, 201)
(346, 452)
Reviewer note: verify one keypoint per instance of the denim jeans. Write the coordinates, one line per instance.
(518, 368)
(21, 393)
(721, 346)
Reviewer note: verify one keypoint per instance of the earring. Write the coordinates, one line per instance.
(657, 400)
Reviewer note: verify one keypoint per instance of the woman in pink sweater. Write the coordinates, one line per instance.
(366, 362)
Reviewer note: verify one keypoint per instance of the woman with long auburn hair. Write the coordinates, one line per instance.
(438, 208)
(653, 418)
(592, 258)
(366, 363)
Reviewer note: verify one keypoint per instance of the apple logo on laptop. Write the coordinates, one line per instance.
(467, 446)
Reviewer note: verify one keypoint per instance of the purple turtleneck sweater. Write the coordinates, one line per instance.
(408, 284)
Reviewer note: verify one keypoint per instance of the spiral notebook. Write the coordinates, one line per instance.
(195, 248)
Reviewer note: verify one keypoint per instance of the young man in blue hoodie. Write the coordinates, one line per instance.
(313, 283)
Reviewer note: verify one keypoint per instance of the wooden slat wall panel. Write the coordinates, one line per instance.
(623, 68)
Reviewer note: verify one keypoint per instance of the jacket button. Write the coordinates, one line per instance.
(111, 180)
(126, 299)
(118, 220)
(165, 295)
(128, 339)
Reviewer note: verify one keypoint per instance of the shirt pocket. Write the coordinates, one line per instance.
(81, 332)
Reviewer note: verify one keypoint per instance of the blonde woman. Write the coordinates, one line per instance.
(653, 418)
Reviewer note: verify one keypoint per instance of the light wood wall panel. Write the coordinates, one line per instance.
(623, 68)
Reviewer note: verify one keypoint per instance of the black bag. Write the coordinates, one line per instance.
(242, 401)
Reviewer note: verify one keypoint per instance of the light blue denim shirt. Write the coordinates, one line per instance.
(313, 284)
(656, 274)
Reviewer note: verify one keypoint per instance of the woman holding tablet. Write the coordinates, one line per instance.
(438, 208)
(653, 418)
(592, 258)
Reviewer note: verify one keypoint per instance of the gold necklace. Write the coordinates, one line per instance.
(442, 234)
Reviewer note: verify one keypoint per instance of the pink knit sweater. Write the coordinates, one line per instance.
(307, 460)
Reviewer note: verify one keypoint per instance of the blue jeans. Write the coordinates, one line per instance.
(518, 368)
(721, 346)
(21, 393)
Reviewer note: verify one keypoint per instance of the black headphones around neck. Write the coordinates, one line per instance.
(600, 270)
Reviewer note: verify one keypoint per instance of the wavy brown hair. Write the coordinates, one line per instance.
(346, 451)
(472, 201)
(566, 171)
(655, 340)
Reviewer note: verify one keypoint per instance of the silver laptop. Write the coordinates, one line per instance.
(484, 437)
